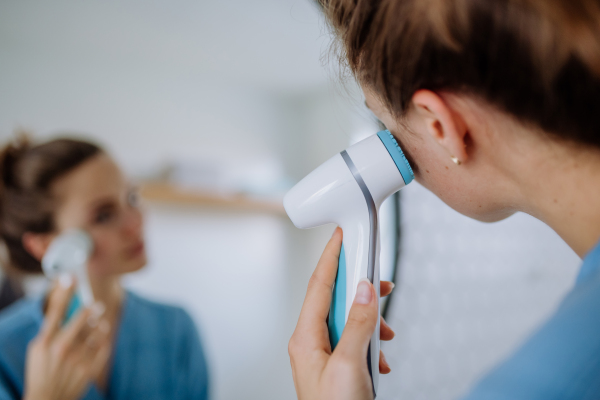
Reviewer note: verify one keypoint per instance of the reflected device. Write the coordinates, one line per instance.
(69, 254)
(348, 190)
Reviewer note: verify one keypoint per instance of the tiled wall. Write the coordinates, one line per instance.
(468, 294)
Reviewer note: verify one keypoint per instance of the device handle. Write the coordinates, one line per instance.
(337, 310)
(351, 270)
(83, 296)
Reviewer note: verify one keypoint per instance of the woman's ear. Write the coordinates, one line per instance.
(445, 125)
(37, 243)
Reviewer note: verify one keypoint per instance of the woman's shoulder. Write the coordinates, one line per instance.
(21, 319)
(19, 324)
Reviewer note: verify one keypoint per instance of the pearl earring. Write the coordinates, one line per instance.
(455, 160)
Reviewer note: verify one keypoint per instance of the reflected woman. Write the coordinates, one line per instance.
(123, 347)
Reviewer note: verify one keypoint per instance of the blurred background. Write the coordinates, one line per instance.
(216, 108)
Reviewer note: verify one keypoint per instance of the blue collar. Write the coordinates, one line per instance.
(591, 265)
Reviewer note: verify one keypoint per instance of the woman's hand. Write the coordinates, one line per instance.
(62, 361)
(318, 373)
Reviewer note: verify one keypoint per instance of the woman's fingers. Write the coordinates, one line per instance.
(94, 343)
(101, 358)
(385, 288)
(385, 331)
(360, 326)
(77, 329)
(97, 336)
(57, 305)
(384, 367)
(318, 295)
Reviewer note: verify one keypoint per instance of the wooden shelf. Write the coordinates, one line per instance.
(162, 192)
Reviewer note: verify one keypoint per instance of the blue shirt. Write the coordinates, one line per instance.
(562, 359)
(157, 354)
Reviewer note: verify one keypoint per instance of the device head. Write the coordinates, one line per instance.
(68, 253)
(331, 193)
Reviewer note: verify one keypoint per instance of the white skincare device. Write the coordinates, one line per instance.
(348, 190)
(69, 254)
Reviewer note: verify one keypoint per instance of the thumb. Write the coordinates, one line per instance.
(361, 323)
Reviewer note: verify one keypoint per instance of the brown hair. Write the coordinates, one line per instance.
(26, 203)
(538, 60)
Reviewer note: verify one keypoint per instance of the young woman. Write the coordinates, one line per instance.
(124, 347)
(496, 104)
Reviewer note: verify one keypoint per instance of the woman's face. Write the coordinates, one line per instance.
(477, 189)
(96, 197)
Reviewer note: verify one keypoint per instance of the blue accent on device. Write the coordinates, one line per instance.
(337, 311)
(397, 155)
(74, 306)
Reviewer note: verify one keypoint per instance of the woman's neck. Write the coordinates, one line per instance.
(109, 292)
(560, 185)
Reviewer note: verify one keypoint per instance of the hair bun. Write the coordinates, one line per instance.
(9, 157)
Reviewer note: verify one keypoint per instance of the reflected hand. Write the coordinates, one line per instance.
(318, 373)
(62, 361)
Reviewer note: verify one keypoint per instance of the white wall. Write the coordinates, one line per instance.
(143, 115)
(157, 80)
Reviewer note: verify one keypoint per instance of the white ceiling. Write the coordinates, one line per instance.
(272, 44)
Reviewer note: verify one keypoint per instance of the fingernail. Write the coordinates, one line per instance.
(363, 292)
(382, 356)
(98, 309)
(393, 285)
(65, 280)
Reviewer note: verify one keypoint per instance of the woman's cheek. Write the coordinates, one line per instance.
(102, 257)
(430, 171)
